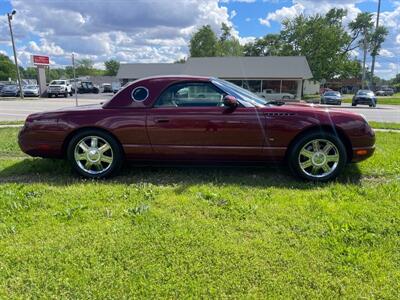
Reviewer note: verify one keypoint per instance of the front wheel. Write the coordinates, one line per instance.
(94, 154)
(317, 157)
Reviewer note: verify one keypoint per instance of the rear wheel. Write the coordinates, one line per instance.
(317, 156)
(94, 154)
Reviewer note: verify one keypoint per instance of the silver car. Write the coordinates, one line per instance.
(331, 97)
(31, 90)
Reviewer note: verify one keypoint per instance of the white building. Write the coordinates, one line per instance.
(281, 74)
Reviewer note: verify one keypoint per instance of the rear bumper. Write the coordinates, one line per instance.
(33, 144)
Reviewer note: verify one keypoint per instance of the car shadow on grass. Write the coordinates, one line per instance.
(58, 172)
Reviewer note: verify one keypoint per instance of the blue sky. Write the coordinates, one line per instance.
(158, 30)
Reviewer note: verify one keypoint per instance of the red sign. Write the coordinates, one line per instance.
(40, 60)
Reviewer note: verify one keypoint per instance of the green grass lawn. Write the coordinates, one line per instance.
(381, 100)
(198, 232)
(384, 125)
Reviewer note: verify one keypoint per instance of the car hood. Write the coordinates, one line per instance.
(307, 109)
(51, 114)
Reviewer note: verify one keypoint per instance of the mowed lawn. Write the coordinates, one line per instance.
(198, 232)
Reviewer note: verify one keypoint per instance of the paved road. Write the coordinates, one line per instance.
(14, 109)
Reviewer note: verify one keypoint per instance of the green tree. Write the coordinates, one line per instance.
(29, 73)
(203, 43)
(323, 40)
(112, 67)
(271, 44)
(85, 68)
(7, 68)
(377, 39)
(227, 44)
(361, 28)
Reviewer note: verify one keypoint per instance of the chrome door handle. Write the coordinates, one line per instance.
(161, 120)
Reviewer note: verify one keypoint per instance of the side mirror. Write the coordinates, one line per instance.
(230, 101)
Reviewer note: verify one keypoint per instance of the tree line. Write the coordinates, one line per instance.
(323, 39)
(84, 67)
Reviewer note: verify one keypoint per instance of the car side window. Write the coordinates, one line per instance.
(200, 94)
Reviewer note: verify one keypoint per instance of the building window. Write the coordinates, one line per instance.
(237, 82)
(271, 86)
(252, 85)
(289, 86)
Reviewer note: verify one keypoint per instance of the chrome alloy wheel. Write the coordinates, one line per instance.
(93, 155)
(318, 158)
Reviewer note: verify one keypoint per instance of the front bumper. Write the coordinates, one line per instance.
(363, 146)
(365, 100)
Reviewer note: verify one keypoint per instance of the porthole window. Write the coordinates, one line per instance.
(140, 94)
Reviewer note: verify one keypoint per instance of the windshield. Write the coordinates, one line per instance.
(365, 93)
(332, 94)
(58, 82)
(30, 86)
(239, 92)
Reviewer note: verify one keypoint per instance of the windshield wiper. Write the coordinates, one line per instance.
(276, 102)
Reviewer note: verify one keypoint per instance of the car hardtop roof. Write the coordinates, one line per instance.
(174, 77)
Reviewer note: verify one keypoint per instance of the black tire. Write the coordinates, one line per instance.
(117, 153)
(353, 104)
(65, 94)
(340, 103)
(293, 156)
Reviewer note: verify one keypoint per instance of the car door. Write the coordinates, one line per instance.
(189, 122)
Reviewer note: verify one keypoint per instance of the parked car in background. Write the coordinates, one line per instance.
(116, 86)
(106, 88)
(384, 92)
(88, 87)
(203, 119)
(1, 87)
(331, 97)
(10, 90)
(59, 87)
(270, 94)
(366, 97)
(31, 90)
(74, 83)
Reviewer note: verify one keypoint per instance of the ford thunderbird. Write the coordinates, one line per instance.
(203, 119)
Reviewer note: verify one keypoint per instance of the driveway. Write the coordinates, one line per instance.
(12, 109)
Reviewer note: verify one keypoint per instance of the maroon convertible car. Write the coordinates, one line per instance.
(186, 118)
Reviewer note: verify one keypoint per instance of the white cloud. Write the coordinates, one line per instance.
(133, 31)
(246, 39)
(386, 53)
(310, 7)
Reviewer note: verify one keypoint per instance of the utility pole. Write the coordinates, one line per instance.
(373, 55)
(10, 16)
(75, 85)
(364, 58)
